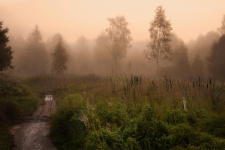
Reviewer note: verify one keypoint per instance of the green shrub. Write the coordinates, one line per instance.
(111, 112)
(73, 101)
(6, 139)
(175, 117)
(103, 139)
(78, 130)
(16, 101)
(130, 129)
(151, 132)
(215, 125)
(131, 144)
(177, 148)
(68, 128)
(182, 135)
(60, 128)
(10, 112)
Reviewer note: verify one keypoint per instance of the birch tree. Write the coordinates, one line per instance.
(159, 48)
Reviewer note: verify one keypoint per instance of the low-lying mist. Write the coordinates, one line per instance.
(93, 57)
(113, 52)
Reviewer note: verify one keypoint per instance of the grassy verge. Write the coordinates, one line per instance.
(16, 101)
(139, 113)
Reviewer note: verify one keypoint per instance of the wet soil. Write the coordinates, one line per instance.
(32, 133)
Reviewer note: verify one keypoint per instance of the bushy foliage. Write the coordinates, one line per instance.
(5, 50)
(216, 59)
(175, 117)
(103, 118)
(151, 132)
(111, 112)
(68, 127)
(16, 101)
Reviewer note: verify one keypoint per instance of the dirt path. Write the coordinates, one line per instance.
(33, 133)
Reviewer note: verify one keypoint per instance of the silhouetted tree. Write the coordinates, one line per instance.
(35, 59)
(83, 54)
(5, 50)
(60, 58)
(119, 37)
(101, 49)
(180, 61)
(202, 45)
(222, 28)
(197, 67)
(216, 59)
(159, 47)
(18, 46)
(52, 42)
(179, 65)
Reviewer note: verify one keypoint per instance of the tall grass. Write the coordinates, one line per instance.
(136, 112)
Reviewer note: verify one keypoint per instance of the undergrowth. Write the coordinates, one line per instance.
(139, 113)
(16, 101)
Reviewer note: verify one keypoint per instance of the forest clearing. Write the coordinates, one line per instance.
(112, 75)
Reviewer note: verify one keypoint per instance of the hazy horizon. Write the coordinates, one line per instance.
(73, 19)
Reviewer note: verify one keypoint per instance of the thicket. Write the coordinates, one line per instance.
(16, 101)
(139, 113)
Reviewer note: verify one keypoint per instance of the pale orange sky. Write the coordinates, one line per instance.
(74, 18)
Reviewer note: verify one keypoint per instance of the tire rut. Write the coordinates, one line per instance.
(33, 133)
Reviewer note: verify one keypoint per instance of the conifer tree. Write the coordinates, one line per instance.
(60, 58)
(35, 59)
(5, 50)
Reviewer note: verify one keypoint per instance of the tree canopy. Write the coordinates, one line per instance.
(181, 61)
(159, 47)
(35, 58)
(119, 37)
(198, 67)
(216, 59)
(60, 58)
(222, 28)
(5, 50)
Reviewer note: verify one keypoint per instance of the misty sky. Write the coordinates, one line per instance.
(74, 18)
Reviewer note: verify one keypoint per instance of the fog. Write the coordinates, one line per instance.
(76, 18)
(82, 26)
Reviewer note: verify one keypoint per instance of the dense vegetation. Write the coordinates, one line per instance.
(16, 101)
(122, 112)
(116, 111)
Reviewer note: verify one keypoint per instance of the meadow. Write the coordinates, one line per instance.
(120, 112)
(135, 112)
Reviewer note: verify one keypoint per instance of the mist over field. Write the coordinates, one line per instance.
(100, 74)
(83, 25)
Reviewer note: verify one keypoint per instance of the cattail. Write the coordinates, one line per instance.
(171, 84)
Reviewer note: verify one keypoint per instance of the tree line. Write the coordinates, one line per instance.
(169, 53)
